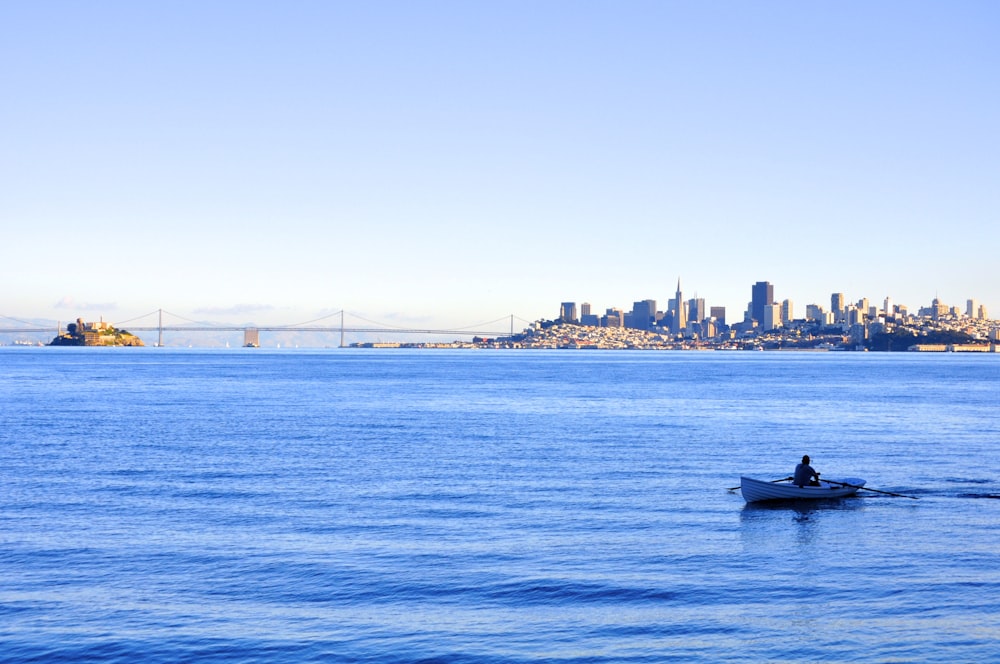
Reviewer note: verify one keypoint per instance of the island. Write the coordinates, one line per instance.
(95, 334)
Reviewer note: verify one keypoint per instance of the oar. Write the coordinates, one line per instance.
(855, 486)
(783, 479)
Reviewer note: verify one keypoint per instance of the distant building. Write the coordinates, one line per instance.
(567, 312)
(710, 328)
(863, 306)
(762, 295)
(771, 320)
(837, 306)
(787, 313)
(938, 310)
(972, 308)
(587, 318)
(643, 315)
(814, 312)
(613, 318)
(696, 310)
(679, 321)
(719, 314)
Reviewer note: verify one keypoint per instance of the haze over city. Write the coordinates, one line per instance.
(445, 163)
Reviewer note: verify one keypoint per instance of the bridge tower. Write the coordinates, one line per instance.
(251, 337)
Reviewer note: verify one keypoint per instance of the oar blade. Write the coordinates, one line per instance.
(865, 488)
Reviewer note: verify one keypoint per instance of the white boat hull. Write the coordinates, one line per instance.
(757, 490)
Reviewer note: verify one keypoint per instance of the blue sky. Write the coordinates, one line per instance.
(454, 162)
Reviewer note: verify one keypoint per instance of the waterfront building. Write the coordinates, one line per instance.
(762, 295)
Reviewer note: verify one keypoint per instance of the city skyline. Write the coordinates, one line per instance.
(441, 164)
(762, 295)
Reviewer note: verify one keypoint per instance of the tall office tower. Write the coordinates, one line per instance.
(787, 313)
(837, 305)
(696, 310)
(982, 312)
(719, 314)
(762, 295)
(680, 317)
(567, 312)
(814, 312)
(643, 314)
(772, 317)
(863, 306)
(613, 317)
(585, 309)
(887, 308)
(972, 308)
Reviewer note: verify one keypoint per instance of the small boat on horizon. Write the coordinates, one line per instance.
(759, 490)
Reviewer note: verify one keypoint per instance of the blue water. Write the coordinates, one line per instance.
(477, 506)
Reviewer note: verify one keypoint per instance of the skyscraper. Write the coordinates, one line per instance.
(762, 295)
(567, 312)
(972, 308)
(771, 320)
(837, 306)
(696, 309)
(643, 314)
(680, 315)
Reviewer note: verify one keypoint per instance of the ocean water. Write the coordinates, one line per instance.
(511, 506)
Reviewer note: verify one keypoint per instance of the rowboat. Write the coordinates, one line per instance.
(758, 490)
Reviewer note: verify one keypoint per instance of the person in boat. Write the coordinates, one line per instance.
(805, 474)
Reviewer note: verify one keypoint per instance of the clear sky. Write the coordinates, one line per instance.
(455, 162)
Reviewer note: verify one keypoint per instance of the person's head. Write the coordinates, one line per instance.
(805, 459)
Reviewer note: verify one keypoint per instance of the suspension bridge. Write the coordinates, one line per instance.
(335, 323)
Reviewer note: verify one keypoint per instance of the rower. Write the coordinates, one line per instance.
(805, 474)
